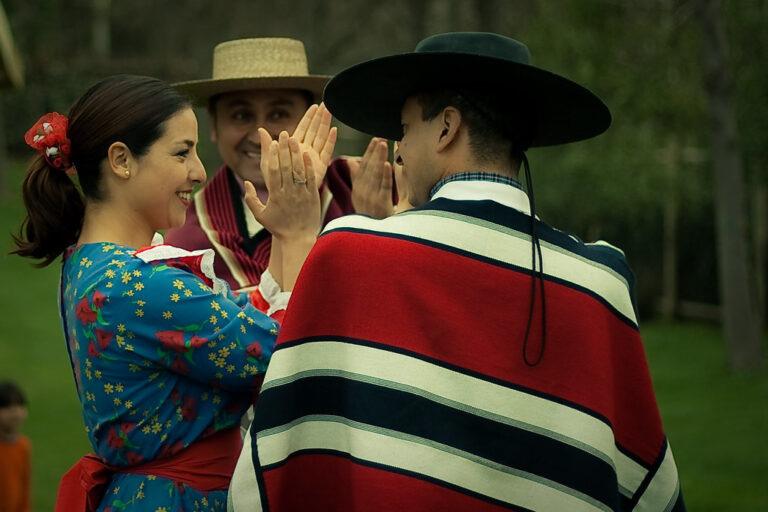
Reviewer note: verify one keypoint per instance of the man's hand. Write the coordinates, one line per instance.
(316, 138)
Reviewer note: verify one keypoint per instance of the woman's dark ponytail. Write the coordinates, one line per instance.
(55, 212)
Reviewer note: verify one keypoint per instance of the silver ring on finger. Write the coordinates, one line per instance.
(299, 181)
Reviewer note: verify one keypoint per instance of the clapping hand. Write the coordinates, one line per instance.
(372, 177)
(316, 138)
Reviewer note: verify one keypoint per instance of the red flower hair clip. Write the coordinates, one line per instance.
(49, 136)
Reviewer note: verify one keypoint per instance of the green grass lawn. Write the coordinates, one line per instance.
(717, 422)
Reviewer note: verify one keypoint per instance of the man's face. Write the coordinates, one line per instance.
(416, 152)
(237, 116)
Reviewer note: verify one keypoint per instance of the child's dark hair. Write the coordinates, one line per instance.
(11, 394)
(125, 108)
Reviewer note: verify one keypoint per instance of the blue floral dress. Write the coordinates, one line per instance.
(162, 355)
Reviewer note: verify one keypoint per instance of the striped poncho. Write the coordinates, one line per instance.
(398, 381)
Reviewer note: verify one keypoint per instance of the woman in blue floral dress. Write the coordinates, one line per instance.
(165, 357)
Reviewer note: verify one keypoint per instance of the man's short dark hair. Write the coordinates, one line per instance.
(307, 95)
(491, 133)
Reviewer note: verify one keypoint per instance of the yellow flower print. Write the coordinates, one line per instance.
(120, 328)
(119, 387)
(221, 337)
(139, 313)
(213, 319)
(175, 297)
(216, 399)
(129, 347)
(97, 373)
(212, 344)
(126, 277)
(117, 401)
(167, 315)
(119, 252)
(146, 429)
(241, 315)
(80, 274)
(140, 302)
(109, 273)
(204, 397)
(273, 331)
(109, 284)
(108, 388)
(216, 329)
(88, 363)
(233, 345)
(211, 356)
(137, 273)
(251, 321)
(230, 368)
(221, 362)
(224, 314)
(156, 428)
(204, 501)
(178, 284)
(129, 293)
(107, 248)
(134, 367)
(88, 374)
(151, 477)
(223, 351)
(128, 404)
(187, 292)
(242, 375)
(139, 286)
(140, 495)
(215, 305)
(203, 287)
(117, 490)
(219, 375)
(161, 509)
(84, 262)
(120, 340)
(242, 328)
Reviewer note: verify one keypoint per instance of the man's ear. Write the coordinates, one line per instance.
(450, 122)
(120, 160)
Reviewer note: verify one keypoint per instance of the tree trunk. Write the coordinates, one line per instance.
(737, 289)
(101, 37)
(669, 262)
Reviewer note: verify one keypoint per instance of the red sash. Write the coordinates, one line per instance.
(206, 465)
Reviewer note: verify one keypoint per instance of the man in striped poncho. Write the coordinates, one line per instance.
(461, 355)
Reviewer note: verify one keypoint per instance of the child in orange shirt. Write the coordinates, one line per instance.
(15, 449)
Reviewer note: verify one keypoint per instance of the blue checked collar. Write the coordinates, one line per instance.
(480, 186)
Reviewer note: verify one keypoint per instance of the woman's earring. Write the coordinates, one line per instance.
(127, 173)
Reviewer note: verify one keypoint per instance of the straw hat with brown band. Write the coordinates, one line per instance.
(257, 63)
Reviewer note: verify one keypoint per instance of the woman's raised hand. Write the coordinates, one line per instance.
(293, 204)
(316, 138)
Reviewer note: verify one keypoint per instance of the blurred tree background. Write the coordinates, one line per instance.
(647, 185)
(671, 179)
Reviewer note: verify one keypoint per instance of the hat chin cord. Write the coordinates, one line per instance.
(537, 275)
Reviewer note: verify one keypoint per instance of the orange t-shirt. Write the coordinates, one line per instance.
(15, 489)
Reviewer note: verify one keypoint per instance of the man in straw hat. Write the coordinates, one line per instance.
(475, 357)
(257, 83)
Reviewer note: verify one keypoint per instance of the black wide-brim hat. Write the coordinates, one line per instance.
(369, 96)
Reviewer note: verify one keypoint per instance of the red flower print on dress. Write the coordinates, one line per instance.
(84, 312)
(171, 449)
(254, 349)
(179, 366)
(98, 299)
(104, 337)
(196, 341)
(114, 440)
(188, 409)
(172, 340)
(133, 458)
(92, 350)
